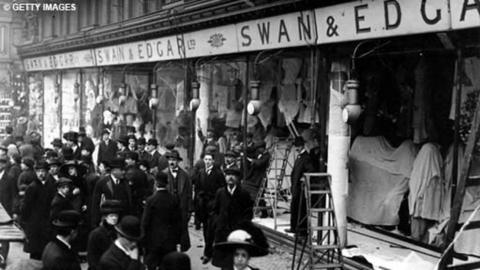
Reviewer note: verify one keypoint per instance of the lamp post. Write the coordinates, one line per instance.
(352, 110)
(254, 105)
(153, 103)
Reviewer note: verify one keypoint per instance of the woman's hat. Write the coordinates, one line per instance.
(57, 142)
(250, 238)
(123, 140)
(111, 207)
(54, 161)
(129, 227)
(68, 219)
(153, 142)
(173, 154)
(81, 170)
(71, 136)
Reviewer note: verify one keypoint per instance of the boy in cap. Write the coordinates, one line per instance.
(103, 236)
(63, 198)
(107, 149)
(123, 254)
(58, 254)
(161, 223)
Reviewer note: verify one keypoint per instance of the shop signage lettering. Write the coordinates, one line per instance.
(358, 20)
(294, 29)
(380, 18)
(465, 13)
(75, 59)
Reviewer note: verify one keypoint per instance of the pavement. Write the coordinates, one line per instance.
(278, 259)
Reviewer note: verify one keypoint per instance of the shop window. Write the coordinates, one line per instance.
(35, 94)
(92, 111)
(51, 117)
(70, 101)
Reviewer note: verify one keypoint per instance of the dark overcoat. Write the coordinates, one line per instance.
(116, 259)
(60, 203)
(36, 214)
(99, 241)
(8, 192)
(57, 256)
(106, 152)
(181, 188)
(206, 186)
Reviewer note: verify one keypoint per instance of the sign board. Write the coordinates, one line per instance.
(213, 41)
(380, 18)
(75, 59)
(465, 13)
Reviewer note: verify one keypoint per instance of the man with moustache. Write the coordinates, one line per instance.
(180, 185)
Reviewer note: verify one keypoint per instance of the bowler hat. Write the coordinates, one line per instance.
(152, 142)
(173, 154)
(68, 153)
(129, 227)
(111, 207)
(170, 146)
(64, 181)
(117, 163)
(54, 161)
(176, 261)
(211, 149)
(141, 141)
(230, 153)
(131, 155)
(67, 219)
(57, 142)
(250, 238)
(81, 131)
(41, 164)
(131, 129)
(233, 171)
(123, 140)
(299, 141)
(161, 179)
(71, 136)
(29, 162)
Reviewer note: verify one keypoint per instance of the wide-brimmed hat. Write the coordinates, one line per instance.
(173, 154)
(81, 170)
(233, 171)
(57, 142)
(131, 155)
(71, 136)
(54, 161)
(29, 162)
(250, 239)
(161, 179)
(67, 219)
(111, 207)
(129, 227)
(64, 181)
(141, 141)
(176, 261)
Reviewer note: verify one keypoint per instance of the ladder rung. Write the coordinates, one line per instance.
(323, 228)
(320, 192)
(327, 266)
(321, 209)
(325, 247)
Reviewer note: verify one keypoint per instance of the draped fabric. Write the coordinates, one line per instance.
(379, 176)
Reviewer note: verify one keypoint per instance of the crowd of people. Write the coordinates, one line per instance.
(129, 206)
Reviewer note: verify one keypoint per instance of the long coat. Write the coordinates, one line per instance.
(106, 152)
(257, 170)
(181, 188)
(161, 221)
(115, 259)
(105, 189)
(206, 186)
(8, 191)
(60, 203)
(138, 182)
(36, 214)
(302, 164)
(99, 241)
(57, 256)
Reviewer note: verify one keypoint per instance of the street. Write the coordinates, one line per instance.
(279, 260)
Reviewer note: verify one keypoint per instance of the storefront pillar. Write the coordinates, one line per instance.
(338, 145)
(204, 78)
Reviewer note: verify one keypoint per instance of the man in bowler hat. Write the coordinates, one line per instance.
(63, 199)
(123, 253)
(111, 187)
(103, 236)
(107, 149)
(180, 185)
(161, 223)
(58, 254)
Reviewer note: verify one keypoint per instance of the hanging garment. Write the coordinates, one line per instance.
(378, 179)
(428, 188)
(288, 104)
(266, 112)
(421, 103)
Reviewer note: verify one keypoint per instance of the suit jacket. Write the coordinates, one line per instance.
(106, 152)
(36, 214)
(99, 241)
(181, 188)
(115, 259)
(161, 221)
(257, 169)
(144, 155)
(8, 192)
(159, 161)
(57, 256)
(105, 190)
(302, 164)
(206, 186)
(60, 203)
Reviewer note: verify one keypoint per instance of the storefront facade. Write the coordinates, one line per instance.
(301, 58)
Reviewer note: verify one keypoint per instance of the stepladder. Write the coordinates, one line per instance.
(271, 194)
(319, 244)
